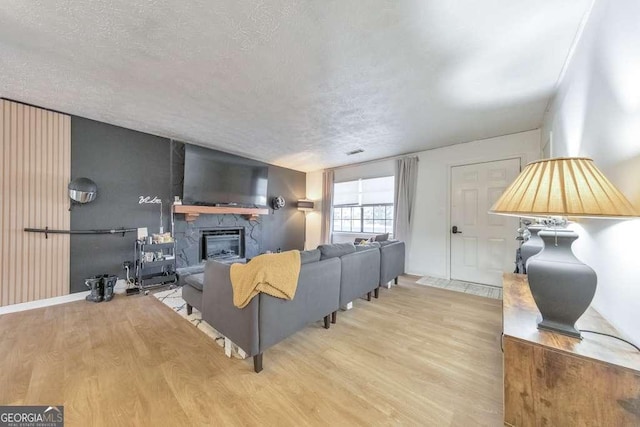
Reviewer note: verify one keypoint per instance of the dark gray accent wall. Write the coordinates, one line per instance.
(282, 229)
(285, 227)
(177, 168)
(126, 164)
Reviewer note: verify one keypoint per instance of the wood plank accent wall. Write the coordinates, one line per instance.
(35, 168)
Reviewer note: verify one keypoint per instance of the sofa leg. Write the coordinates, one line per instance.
(334, 317)
(189, 310)
(327, 323)
(257, 363)
(369, 296)
(376, 292)
(395, 280)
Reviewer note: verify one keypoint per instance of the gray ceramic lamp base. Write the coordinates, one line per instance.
(562, 286)
(532, 246)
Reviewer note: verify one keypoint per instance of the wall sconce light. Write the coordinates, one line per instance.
(305, 205)
(81, 191)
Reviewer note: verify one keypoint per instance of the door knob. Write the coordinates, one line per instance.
(454, 230)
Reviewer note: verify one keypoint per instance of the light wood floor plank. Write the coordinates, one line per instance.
(417, 356)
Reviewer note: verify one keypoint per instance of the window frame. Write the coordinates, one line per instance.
(360, 219)
(388, 222)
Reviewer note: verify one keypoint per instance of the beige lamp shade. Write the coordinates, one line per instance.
(563, 187)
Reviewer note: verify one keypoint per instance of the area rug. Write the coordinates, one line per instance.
(460, 286)
(172, 298)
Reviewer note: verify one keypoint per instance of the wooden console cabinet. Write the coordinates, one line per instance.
(554, 380)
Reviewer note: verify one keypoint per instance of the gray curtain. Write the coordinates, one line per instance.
(327, 206)
(406, 178)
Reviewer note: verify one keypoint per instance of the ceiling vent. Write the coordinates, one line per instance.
(358, 151)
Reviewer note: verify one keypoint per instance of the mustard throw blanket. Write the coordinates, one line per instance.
(273, 274)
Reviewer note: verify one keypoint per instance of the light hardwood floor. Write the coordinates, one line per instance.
(416, 356)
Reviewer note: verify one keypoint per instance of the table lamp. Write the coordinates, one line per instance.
(561, 285)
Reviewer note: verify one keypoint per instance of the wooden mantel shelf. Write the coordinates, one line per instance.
(191, 212)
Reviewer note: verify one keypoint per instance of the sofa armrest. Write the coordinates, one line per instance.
(360, 274)
(392, 258)
(240, 325)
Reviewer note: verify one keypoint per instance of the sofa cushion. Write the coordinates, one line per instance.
(336, 250)
(387, 242)
(195, 281)
(381, 237)
(366, 247)
(310, 256)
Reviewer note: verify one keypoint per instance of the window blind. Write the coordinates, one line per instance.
(371, 191)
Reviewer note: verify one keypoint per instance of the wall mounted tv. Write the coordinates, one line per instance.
(213, 177)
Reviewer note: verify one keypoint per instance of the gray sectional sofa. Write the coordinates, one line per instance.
(360, 272)
(330, 277)
(268, 320)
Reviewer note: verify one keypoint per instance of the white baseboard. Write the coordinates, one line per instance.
(436, 276)
(14, 308)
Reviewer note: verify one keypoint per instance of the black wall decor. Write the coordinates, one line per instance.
(126, 164)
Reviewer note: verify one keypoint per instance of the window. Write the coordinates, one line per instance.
(364, 206)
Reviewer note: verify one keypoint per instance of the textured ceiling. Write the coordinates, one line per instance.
(294, 83)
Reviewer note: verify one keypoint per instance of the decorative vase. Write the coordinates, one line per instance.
(532, 246)
(562, 286)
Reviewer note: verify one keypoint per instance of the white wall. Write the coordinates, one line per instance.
(596, 113)
(429, 251)
(314, 218)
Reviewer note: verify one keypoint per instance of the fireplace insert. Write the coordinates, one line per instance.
(222, 244)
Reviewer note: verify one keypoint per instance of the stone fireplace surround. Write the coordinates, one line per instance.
(188, 236)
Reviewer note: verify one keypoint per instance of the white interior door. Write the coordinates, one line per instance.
(484, 245)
